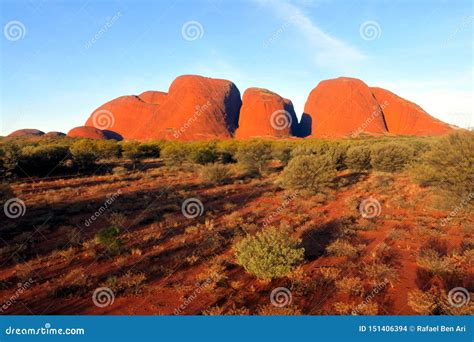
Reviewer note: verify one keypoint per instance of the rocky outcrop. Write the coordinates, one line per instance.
(87, 132)
(26, 132)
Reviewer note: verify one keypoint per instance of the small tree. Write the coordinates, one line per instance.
(215, 173)
(358, 158)
(84, 153)
(174, 154)
(391, 157)
(109, 238)
(308, 172)
(269, 254)
(254, 156)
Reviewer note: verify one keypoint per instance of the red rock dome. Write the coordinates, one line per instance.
(342, 107)
(87, 132)
(407, 118)
(54, 134)
(265, 114)
(26, 132)
(152, 97)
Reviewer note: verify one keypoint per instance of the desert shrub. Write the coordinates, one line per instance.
(358, 158)
(390, 157)
(108, 149)
(227, 150)
(174, 154)
(203, 155)
(335, 152)
(136, 151)
(330, 274)
(109, 238)
(42, 158)
(342, 247)
(435, 263)
(379, 273)
(84, 153)
(129, 283)
(8, 159)
(254, 156)
(119, 170)
(310, 173)
(282, 152)
(215, 173)
(269, 254)
(448, 165)
(272, 310)
(350, 285)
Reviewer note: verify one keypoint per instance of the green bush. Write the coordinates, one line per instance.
(109, 238)
(282, 152)
(334, 151)
(269, 254)
(390, 157)
(108, 149)
(227, 150)
(310, 172)
(42, 158)
(84, 153)
(358, 158)
(215, 173)
(254, 156)
(203, 155)
(174, 154)
(448, 165)
(8, 159)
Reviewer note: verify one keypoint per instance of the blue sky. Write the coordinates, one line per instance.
(68, 57)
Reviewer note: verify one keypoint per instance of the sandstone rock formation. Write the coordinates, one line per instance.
(343, 107)
(87, 132)
(26, 132)
(195, 108)
(407, 118)
(265, 114)
(54, 134)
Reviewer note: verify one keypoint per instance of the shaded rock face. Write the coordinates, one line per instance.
(195, 108)
(265, 114)
(54, 134)
(407, 118)
(87, 132)
(26, 132)
(343, 107)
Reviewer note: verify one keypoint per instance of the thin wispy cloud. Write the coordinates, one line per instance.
(324, 49)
